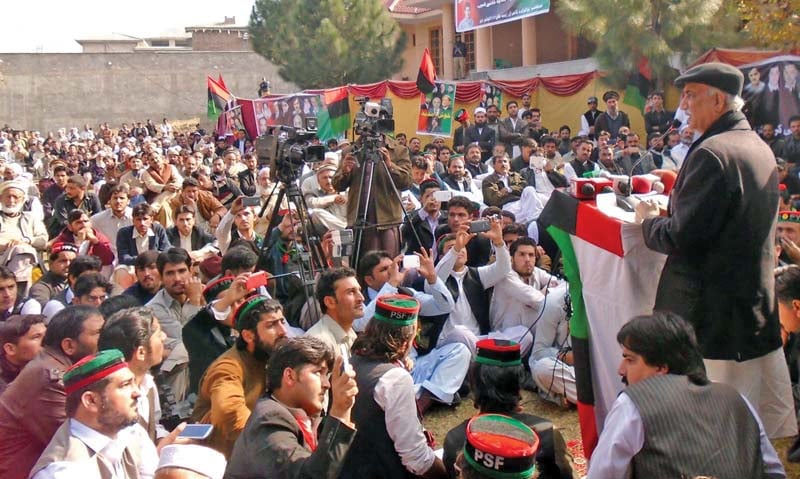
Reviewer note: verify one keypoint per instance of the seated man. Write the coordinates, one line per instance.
(148, 280)
(551, 362)
(719, 433)
(461, 210)
(234, 382)
(525, 295)
(632, 159)
(75, 197)
(22, 234)
(143, 235)
(100, 437)
(32, 407)
(20, 341)
(438, 371)
(243, 218)
(117, 216)
(424, 221)
(55, 279)
(10, 300)
(496, 378)
(283, 437)
(471, 287)
(509, 190)
(136, 333)
(188, 236)
(209, 211)
(89, 240)
(391, 442)
(78, 267)
(328, 206)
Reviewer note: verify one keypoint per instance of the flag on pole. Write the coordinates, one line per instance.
(218, 98)
(334, 118)
(639, 86)
(426, 78)
(222, 82)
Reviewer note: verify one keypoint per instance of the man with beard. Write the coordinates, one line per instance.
(32, 408)
(341, 302)
(223, 187)
(612, 119)
(473, 163)
(247, 178)
(137, 333)
(791, 146)
(22, 234)
(75, 197)
(768, 135)
(283, 438)
(325, 204)
(148, 280)
(481, 134)
(101, 437)
(233, 383)
(582, 162)
(679, 152)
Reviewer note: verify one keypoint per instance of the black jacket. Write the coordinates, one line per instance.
(199, 238)
(719, 236)
(485, 137)
(205, 339)
(247, 182)
(423, 229)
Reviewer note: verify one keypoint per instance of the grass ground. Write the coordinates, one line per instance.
(442, 419)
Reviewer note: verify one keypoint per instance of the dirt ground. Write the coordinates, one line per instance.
(441, 419)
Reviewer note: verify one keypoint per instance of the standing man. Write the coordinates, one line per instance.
(589, 117)
(612, 119)
(512, 129)
(481, 134)
(714, 431)
(714, 255)
(459, 58)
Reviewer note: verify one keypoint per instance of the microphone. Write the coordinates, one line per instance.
(672, 127)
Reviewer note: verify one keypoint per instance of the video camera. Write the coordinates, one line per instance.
(287, 149)
(374, 119)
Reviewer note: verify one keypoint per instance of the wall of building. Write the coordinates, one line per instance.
(507, 43)
(225, 41)
(108, 47)
(48, 91)
(417, 40)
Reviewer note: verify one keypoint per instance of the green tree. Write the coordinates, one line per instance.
(625, 31)
(327, 43)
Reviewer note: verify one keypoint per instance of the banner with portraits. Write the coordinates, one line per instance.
(772, 92)
(290, 110)
(472, 14)
(491, 96)
(436, 110)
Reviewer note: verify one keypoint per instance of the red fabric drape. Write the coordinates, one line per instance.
(373, 90)
(248, 117)
(404, 89)
(736, 57)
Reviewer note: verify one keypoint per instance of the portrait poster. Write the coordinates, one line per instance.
(472, 14)
(772, 92)
(491, 95)
(436, 110)
(290, 110)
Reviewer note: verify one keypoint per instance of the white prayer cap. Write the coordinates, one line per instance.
(17, 184)
(480, 109)
(199, 459)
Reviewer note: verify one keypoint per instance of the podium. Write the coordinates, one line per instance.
(612, 277)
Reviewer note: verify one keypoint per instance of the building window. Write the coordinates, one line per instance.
(469, 39)
(436, 47)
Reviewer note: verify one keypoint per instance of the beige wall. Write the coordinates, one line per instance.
(48, 91)
(215, 41)
(108, 47)
(413, 53)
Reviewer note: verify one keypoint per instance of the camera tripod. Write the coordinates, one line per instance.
(309, 261)
(369, 157)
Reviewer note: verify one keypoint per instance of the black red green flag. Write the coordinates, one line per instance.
(426, 78)
(334, 119)
(639, 86)
(218, 97)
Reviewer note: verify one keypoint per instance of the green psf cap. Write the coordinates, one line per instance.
(789, 216)
(93, 368)
(396, 309)
(500, 447)
(498, 352)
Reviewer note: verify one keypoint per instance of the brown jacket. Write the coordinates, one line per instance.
(389, 210)
(206, 206)
(31, 410)
(228, 393)
(492, 184)
(64, 447)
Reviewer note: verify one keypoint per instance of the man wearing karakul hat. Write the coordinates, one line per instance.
(719, 236)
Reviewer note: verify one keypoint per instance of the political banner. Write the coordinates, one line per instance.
(472, 14)
(289, 110)
(772, 92)
(491, 96)
(436, 110)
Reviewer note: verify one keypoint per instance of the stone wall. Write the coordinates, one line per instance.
(47, 91)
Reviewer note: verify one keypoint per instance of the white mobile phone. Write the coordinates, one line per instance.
(410, 261)
(444, 195)
(197, 431)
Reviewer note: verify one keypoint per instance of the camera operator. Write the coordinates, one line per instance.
(384, 211)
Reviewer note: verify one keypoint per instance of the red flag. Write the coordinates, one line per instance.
(222, 82)
(426, 79)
